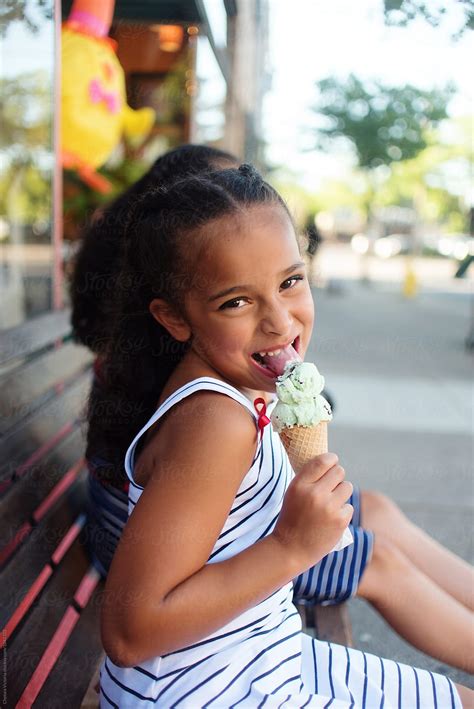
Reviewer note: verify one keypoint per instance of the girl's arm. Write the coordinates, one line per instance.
(160, 595)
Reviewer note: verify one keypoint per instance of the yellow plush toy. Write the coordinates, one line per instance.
(94, 110)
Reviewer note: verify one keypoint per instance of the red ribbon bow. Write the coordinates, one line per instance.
(263, 419)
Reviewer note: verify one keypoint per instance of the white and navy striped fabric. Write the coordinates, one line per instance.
(337, 576)
(262, 657)
(107, 514)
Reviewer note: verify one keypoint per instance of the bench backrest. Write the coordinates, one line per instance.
(50, 631)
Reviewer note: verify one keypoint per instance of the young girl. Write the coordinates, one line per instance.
(198, 606)
(93, 287)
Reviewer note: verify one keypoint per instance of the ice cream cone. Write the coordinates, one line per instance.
(304, 442)
(301, 416)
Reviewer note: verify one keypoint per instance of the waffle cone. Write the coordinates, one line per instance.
(304, 442)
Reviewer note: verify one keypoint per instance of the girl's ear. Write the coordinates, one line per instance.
(168, 316)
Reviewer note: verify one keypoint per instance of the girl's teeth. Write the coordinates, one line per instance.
(269, 354)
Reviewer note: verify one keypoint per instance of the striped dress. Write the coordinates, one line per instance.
(262, 657)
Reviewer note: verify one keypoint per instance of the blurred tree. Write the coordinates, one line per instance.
(383, 125)
(436, 182)
(400, 12)
(26, 11)
(412, 183)
(25, 147)
(437, 179)
(25, 113)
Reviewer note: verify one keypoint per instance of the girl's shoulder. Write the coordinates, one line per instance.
(203, 416)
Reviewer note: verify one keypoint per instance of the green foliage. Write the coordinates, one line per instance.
(31, 13)
(80, 201)
(401, 12)
(25, 193)
(409, 186)
(25, 148)
(421, 182)
(25, 113)
(383, 124)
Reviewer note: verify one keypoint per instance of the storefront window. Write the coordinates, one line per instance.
(211, 95)
(26, 160)
(217, 18)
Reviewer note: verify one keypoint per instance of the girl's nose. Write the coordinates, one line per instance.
(277, 321)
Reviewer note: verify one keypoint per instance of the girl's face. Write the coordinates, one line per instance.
(251, 295)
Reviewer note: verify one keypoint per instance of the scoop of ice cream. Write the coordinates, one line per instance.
(299, 397)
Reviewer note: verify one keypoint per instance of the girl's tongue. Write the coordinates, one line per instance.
(276, 363)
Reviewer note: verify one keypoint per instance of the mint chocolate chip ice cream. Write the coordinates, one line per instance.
(299, 397)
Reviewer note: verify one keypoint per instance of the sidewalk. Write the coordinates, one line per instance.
(338, 260)
(402, 383)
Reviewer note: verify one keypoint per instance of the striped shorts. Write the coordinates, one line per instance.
(107, 513)
(337, 576)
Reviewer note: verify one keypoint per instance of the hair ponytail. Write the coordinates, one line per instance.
(92, 286)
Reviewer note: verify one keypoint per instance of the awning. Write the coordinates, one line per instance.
(158, 10)
(152, 10)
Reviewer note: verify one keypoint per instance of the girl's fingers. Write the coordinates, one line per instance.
(332, 478)
(348, 512)
(343, 491)
(317, 468)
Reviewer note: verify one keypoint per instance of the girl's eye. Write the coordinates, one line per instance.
(235, 304)
(238, 303)
(290, 282)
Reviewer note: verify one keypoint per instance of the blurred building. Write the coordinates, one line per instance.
(201, 64)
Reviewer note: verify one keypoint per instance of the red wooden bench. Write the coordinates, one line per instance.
(50, 591)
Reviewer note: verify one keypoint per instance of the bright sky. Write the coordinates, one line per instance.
(314, 39)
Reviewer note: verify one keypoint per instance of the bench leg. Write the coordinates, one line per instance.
(331, 623)
(91, 697)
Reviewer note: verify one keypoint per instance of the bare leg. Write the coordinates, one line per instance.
(466, 695)
(447, 570)
(417, 608)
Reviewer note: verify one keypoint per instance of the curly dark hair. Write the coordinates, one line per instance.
(95, 271)
(164, 230)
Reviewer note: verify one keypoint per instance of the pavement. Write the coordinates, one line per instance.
(401, 379)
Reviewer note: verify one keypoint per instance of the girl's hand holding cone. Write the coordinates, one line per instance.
(315, 512)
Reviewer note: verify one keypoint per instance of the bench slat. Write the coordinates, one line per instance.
(26, 499)
(59, 639)
(49, 658)
(33, 335)
(84, 653)
(42, 428)
(37, 455)
(39, 583)
(23, 392)
(30, 641)
(59, 489)
(19, 575)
